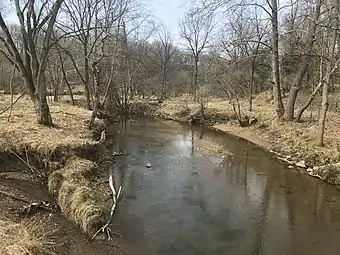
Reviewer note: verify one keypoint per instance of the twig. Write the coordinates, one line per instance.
(115, 197)
(21, 159)
(16, 100)
(11, 89)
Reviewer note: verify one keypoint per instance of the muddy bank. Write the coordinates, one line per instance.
(68, 162)
(292, 143)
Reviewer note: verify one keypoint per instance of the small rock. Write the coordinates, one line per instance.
(148, 165)
(290, 167)
(117, 153)
(301, 164)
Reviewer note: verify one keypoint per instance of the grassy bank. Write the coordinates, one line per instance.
(294, 143)
(66, 155)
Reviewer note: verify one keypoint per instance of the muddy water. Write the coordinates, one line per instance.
(239, 201)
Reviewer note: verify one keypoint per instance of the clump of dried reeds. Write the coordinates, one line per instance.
(26, 238)
(77, 198)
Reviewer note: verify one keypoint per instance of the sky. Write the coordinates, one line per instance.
(166, 11)
(169, 12)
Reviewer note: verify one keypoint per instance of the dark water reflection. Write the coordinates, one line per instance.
(188, 203)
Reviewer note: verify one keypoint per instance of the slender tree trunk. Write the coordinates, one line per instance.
(295, 88)
(325, 103)
(163, 84)
(275, 62)
(65, 77)
(96, 102)
(195, 79)
(87, 80)
(251, 85)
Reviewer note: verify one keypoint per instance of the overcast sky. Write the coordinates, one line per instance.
(169, 12)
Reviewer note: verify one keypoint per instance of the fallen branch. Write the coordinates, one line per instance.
(21, 159)
(16, 100)
(44, 205)
(115, 197)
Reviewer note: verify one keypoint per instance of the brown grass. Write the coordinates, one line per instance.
(77, 197)
(25, 238)
(23, 132)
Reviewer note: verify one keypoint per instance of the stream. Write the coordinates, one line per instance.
(238, 200)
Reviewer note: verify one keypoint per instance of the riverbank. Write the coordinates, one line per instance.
(66, 160)
(293, 143)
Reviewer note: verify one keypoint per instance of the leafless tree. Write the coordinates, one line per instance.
(306, 57)
(36, 26)
(333, 31)
(163, 50)
(196, 28)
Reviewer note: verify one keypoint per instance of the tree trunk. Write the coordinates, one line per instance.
(325, 103)
(87, 80)
(295, 88)
(195, 79)
(40, 102)
(96, 102)
(65, 77)
(251, 85)
(163, 84)
(275, 62)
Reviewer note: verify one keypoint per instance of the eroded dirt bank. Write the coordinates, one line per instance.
(64, 166)
(293, 143)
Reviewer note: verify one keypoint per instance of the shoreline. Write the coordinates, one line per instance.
(67, 161)
(315, 161)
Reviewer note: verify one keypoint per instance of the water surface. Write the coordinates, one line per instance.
(238, 201)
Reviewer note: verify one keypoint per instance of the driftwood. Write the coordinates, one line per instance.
(102, 137)
(115, 198)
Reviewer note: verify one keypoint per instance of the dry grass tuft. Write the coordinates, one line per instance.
(25, 238)
(77, 197)
(23, 132)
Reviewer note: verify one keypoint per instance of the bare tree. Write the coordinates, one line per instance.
(296, 86)
(331, 60)
(163, 51)
(275, 60)
(34, 25)
(196, 28)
